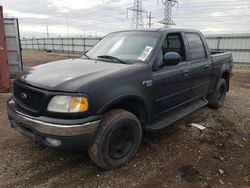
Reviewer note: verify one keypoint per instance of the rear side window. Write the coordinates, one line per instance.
(197, 49)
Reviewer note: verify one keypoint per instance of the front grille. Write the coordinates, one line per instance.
(28, 98)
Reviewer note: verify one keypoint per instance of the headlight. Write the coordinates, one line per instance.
(68, 104)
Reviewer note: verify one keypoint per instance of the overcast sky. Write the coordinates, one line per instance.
(99, 17)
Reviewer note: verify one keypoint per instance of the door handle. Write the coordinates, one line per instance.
(185, 72)
(207, 67)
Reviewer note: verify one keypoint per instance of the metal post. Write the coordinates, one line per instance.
(62, 45)
(32, 44)
(47, 30)
(44, 47)
(52, 44)
(38, 46)
(84, 46)
(218, 43)
(4, 66)
(73, 48)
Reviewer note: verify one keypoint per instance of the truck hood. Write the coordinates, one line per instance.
(68, 75)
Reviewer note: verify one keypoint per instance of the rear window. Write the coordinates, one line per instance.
(197, 49)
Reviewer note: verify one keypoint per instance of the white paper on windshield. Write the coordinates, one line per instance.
(145, 53)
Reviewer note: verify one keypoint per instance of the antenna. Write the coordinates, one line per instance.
(167, 20)
(138, 11)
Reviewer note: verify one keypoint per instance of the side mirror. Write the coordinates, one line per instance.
(171, 58)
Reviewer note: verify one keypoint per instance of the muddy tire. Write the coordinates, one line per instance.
(216, 99)
(117, 140)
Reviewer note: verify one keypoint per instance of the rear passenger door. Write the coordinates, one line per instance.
(201, 65)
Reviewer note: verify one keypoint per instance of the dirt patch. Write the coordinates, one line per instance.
(189, 174)
(181, 156)
(32, 58)
(242, 78)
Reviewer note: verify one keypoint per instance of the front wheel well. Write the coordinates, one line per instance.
(134, 106)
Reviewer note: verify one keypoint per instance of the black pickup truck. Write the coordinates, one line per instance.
(129, 83)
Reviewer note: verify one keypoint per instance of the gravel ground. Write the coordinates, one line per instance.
(181, 156)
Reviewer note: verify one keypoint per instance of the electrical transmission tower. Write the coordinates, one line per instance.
(138, 11)
(167, 20)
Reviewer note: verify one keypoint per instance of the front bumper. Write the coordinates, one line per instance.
(73, 134)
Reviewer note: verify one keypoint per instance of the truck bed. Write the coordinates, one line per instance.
(218, 56)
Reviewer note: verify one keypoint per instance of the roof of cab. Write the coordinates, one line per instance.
(176, 29)
(163, 30)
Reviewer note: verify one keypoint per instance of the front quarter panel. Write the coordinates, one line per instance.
(122, 85)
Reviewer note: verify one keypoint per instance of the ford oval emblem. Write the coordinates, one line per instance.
(23, 96)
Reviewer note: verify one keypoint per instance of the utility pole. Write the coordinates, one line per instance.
(167, 20)
(47, 30)
(138, 11)
(150, 20)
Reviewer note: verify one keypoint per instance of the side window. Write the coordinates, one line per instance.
(174, 43)
(197, 49)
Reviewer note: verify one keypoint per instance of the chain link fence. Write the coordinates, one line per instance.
(71, 45)
(238, 44)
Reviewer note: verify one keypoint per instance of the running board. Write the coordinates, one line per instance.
(176, 115)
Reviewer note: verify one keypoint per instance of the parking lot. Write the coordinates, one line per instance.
(181, 156)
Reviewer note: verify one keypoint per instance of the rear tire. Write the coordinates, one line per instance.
(117, 140)
(216, 99)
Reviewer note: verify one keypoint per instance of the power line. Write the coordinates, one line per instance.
(199, 17)
(214, 3)
(138, 11)
(212, 17)
(199, 5)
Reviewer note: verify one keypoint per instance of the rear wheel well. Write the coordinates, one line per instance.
(134, 106)
(225, 75)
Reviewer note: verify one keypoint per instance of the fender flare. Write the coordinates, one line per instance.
(109, 103)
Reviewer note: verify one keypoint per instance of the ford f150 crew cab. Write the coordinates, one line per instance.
(129, 83)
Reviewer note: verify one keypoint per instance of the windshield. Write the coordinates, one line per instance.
(133, 46)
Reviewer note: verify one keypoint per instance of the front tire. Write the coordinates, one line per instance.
(117, 140)
(216, 99)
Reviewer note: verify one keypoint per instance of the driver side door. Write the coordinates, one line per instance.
(172, 84)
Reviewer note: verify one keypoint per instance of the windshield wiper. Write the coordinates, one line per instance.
(112, 58)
